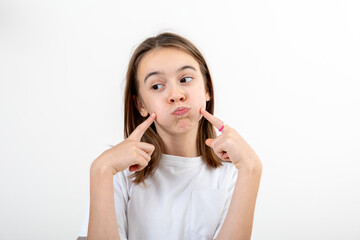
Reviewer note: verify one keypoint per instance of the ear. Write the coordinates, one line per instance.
(140, 106)
(207, 96)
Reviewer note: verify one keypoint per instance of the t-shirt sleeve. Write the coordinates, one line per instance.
(232, 173)
(84, 226)
(121, 197)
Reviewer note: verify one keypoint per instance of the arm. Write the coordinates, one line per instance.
(130, 153)
(102, 220)
(239, 219)
(230, 146)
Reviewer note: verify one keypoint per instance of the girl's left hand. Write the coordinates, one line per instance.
(230, 146)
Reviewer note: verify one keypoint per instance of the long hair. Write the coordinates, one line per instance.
(133, 118)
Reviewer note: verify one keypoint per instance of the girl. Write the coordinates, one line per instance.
(172, 177)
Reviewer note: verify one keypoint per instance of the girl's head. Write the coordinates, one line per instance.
(164, 73)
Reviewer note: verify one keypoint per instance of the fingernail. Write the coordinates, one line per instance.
(153, 114)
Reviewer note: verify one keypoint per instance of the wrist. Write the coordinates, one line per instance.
(99, 166)
(252, 167)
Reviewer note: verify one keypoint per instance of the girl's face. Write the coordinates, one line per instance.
(172, 86)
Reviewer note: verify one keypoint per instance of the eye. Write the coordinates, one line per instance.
(187, 79)
(157, 86)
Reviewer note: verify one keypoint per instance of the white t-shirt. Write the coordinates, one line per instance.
(184, 199)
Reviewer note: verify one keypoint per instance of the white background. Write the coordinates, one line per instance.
(286, 76)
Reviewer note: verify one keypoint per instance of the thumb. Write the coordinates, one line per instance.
(209, 141)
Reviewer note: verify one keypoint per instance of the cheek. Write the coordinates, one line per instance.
(200, 102)
(158, 108)
(200, 99)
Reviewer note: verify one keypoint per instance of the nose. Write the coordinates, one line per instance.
(176, 95)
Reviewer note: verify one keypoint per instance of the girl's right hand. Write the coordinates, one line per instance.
(130, 153)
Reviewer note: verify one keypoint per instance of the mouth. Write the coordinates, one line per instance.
(180, 111)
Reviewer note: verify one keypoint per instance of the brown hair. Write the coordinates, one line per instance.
(133, 118)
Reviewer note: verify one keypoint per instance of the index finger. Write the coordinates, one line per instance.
(141, 128)
(212, 119)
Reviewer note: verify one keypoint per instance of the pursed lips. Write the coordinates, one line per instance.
(180, 110)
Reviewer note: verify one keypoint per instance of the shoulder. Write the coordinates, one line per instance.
(230, 173)
(228, 169)
(228, 166)
(123, 175)
(123, 181)
(224, 175)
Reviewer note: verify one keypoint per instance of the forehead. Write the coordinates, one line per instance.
(167, 60)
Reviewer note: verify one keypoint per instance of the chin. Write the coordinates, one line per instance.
(185, 126)
(184, 129)
(179, 125)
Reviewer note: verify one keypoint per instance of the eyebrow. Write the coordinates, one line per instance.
(158, 72)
